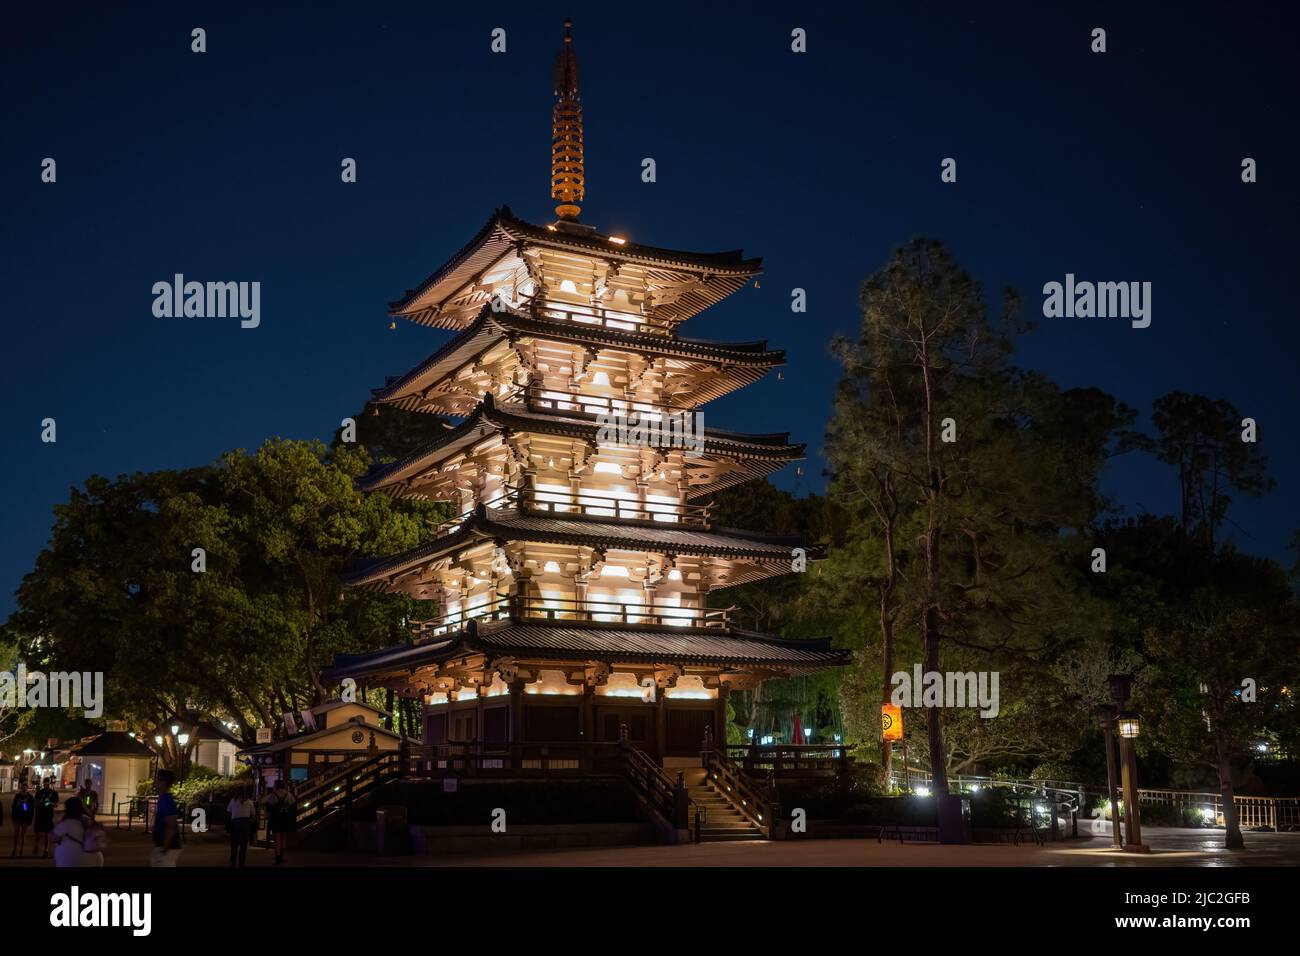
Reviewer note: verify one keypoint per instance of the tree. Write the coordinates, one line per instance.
(1203, 439)
(1206, 675)
(972, 481)
(117, 589)
(389, 433)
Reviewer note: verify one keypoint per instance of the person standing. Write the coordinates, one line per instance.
(89, 799)
(166, 822)
(239, 824)
(75, 841)
(280, 812)
(21, 812)
(47, 801)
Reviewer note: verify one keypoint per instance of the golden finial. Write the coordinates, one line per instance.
(568, 180)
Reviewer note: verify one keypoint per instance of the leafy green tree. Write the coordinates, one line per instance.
(970, 484)
(1199, 699)
(117, 588)
(1202, 439)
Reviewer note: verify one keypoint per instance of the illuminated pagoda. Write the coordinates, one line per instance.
(572, 589)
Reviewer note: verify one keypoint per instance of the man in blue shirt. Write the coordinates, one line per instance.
(166, 822)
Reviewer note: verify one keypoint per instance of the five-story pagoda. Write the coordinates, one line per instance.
(572, 590)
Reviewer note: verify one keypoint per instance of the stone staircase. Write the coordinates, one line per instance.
(722, 821)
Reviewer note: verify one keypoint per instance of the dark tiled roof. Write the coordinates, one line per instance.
(512, 525)
(112, 743)
(297, 740)
(489, 415)
(612, 643)
(668, 644)
(491, 326)
(504, 229)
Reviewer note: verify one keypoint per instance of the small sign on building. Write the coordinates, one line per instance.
(263, 735)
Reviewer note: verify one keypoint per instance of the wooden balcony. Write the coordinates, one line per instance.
(596, 317)
(540, 398)
(593, 609)
(594, 504)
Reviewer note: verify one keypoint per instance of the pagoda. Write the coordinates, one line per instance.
(572, 590)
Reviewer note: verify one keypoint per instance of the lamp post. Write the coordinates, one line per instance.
(1105, 714)
(1127, 723)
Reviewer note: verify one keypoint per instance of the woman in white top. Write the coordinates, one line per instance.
(70, 836)
(239, 824)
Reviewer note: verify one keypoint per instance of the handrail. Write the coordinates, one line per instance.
(594, 608)
(595, 315)
(538, 396)
(746, 796)
(317, 801)
(669, 798)
(598, 505)
(588, 503)
(791, 760)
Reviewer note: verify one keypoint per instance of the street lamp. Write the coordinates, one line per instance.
(1121, 686)
(1105, 714)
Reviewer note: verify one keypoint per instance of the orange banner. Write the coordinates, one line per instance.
(891, 721)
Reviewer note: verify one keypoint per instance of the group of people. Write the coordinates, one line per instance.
(35, 811)
(79, 840)
(280, 807)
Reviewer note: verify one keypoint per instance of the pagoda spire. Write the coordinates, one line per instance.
(568, 179)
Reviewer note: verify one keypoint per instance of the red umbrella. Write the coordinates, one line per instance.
(798, 730)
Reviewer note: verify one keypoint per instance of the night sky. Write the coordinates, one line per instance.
(225, 166)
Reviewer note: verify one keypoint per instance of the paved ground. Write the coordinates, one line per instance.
(1170, 847)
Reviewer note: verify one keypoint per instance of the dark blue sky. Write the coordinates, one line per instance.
(225, 166)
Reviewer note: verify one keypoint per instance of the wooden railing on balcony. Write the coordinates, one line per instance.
(595, 316)
(594, 609)
(791, 760)
(597, 505)
(539, 397)
(590, 503)
(750, 798)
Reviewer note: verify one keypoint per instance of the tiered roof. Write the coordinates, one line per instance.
(770, 555)
(615, 643)
(753, 456)
(449, 297)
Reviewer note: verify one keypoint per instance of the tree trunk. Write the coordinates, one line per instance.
(1232, 827)
(887, 668)
(934, 715)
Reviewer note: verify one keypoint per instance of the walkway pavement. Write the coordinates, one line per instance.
(1170, 847)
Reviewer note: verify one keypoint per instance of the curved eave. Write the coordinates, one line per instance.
(765, 452)
(746, 361)
(608, 643)
(727, 271)
(770, 556)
